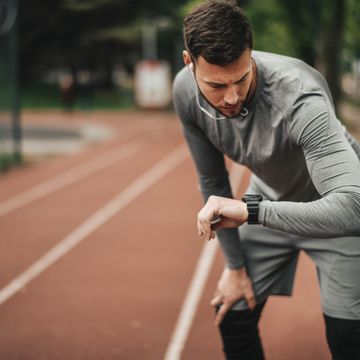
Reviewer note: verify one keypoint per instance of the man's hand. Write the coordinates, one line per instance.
(232, 286)
(230, 212)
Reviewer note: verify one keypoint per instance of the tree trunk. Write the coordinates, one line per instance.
(333, 40)
(303, 17)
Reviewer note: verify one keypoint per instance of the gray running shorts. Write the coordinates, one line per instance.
(271, 257)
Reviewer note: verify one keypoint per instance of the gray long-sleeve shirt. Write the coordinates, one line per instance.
(303, 161)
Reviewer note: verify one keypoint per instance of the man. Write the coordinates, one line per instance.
(275, 115)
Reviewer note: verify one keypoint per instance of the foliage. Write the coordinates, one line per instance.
(7, 161)
(89, 34)
(99, 34)
(270, 29)
(352, 29)
(39, 95)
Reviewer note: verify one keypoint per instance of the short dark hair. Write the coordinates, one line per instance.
(218, 30)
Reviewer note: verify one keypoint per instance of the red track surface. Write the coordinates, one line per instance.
(117, 295)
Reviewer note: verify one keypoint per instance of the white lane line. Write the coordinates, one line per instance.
(194, 292)
(70, 176)
(192, 298)
(124, 198)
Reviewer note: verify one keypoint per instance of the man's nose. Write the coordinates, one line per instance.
(231, 97)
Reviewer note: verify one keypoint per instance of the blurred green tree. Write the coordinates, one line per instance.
(317, 31)
(88, 33)
(352, 29)
(97, 34)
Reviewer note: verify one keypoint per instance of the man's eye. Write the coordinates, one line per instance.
(217, 86)
(240, 82)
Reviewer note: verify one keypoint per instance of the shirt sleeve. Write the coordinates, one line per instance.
(211, 171)
(332, 159)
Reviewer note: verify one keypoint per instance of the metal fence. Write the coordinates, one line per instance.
(10, 131)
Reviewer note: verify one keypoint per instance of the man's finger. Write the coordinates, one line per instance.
(217, 300)
(221, 313)
(251, 302)
(214, 224)
(204, 218)
(199, 228)
(212, 235)
(250, 299)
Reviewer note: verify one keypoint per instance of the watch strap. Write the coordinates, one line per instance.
(252, 202)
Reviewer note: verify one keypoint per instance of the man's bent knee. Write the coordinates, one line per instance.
(240, 334)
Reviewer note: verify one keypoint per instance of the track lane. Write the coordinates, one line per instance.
(96, 220)
(69, 177)
(126, 126)
(108, 298)
(49, 219)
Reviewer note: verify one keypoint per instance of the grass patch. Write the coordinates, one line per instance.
(47, 96)
(8, 161)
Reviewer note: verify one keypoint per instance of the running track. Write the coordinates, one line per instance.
(100, 257)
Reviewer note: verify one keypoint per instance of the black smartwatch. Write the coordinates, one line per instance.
(252, 202)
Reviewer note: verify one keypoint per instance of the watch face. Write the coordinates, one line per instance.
(252, 197)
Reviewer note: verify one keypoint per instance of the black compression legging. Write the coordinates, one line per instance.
(343, 337)
(240, 334)
(241, 340)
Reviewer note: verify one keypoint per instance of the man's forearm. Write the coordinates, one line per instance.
(231, 247)
(335, 215)
(228, 238)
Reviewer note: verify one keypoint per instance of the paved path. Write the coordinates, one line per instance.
(99, 249)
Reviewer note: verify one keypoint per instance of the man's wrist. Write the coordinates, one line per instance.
(237, 271)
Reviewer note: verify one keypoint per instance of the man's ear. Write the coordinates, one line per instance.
(187, 58)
